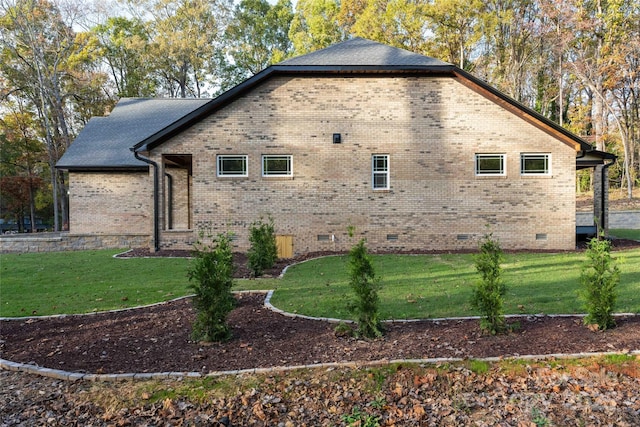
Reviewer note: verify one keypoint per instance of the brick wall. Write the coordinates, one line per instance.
(177, 206)
(430, 127)
(113, 203)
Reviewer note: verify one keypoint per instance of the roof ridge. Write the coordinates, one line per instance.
(359, 51)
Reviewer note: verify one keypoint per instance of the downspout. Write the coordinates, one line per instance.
(156, 208)
(169, 200)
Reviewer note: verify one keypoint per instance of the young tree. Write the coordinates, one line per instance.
(600, 277)
(263, 252)
(488, 295)
(211, 276)
(365, 285)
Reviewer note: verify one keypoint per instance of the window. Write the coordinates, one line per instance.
(380, 171)
(232, 165)
(535, 164)
(490, 164)
(277, 166)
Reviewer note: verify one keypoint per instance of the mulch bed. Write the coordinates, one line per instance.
(157, 338)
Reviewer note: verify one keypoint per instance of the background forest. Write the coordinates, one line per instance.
(576, 62)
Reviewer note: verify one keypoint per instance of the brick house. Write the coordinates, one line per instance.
(413, 152)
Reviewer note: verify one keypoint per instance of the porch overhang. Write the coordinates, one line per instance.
(592, 158)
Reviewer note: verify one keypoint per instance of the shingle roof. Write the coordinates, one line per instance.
(105, 142)
(363, 52)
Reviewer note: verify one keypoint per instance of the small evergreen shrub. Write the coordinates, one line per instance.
(263, 252)
(365, 284)
(488, 295)
(211, 277)
(600, 277)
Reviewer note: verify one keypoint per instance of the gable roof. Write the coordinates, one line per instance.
(105, 142)
(143, 124)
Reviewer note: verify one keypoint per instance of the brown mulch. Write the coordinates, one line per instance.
(156, 339)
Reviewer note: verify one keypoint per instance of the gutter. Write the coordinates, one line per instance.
(156, 201)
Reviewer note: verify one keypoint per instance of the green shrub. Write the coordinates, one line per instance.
(211, 276)
(365, 284)
(488, 295)
(599, 277)
(263, 252)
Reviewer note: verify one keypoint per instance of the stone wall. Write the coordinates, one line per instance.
(52, 242)
(431, 128)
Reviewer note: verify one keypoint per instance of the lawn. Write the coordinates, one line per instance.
(413, 286)
(624, 233)
(420, 286)
(85, 281)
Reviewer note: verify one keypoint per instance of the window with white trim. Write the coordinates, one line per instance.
(232, 165)
(535, 164)
(277, 165)
(380, 171)
(490, 164)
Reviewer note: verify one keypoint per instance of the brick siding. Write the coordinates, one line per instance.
(113, 203)
(431, 127)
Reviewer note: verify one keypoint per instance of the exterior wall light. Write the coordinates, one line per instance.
(337, 138)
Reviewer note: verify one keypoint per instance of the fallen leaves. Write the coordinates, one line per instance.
(589, 392)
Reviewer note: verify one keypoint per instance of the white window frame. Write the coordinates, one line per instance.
(271, 174)
(221, 173)
(501, 172)
(378, 172)
(535, 156)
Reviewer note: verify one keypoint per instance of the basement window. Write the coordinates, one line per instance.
(392, 237)
(323, 238)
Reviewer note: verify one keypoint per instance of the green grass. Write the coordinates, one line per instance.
(85, 281)
(413, 286)
(625, 233)
(421, 286)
